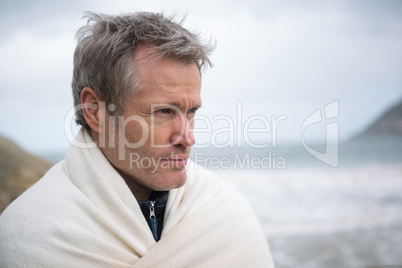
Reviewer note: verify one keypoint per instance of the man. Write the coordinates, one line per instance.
(125, 195)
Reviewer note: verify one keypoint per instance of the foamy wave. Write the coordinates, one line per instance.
(322, 200)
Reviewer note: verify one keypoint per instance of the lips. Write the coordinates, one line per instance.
(177, 161)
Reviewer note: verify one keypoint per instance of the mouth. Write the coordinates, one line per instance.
(176, 161)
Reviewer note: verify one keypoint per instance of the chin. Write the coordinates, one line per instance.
(171, 181)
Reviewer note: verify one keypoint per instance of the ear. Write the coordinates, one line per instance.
(90, 101)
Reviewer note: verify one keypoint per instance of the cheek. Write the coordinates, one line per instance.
(136, 131)
(162, 135)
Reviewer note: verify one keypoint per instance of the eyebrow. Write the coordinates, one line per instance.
(178, 105)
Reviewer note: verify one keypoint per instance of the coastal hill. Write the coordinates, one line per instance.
(18, 171)
(387, 127)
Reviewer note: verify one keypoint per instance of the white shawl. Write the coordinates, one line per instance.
(82, 214)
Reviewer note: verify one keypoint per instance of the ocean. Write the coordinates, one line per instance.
(315, 215)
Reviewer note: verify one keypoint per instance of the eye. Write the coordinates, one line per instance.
(164, 111)
(193, 110)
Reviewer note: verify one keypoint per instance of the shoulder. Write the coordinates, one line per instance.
(211, 188)
(214, 210)
(31, 215)
(37, 195)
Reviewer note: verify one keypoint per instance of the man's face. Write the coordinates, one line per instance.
(157, 136)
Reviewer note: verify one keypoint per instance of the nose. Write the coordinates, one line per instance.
(184, 136)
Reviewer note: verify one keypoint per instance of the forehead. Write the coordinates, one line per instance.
(165, 80)
(156, 71)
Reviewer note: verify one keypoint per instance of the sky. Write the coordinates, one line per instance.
(273, 59)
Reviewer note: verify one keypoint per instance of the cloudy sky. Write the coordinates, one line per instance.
(273, 58)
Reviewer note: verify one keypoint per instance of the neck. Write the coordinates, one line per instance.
(140, 192)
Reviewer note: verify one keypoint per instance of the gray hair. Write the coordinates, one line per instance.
(103, 58)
